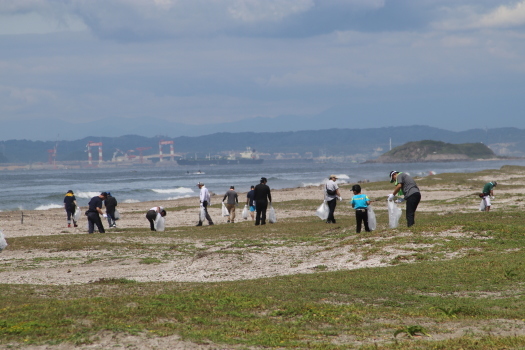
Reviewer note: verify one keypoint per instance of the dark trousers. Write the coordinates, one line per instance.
(111, 217)
(361, 216)
(260, 212)
(94, 219)
(412, 203)
(70, 214)
(151, 215)
(331, 210)
(208, 217)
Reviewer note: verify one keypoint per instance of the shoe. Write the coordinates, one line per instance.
(228, 221)
(76, 225)
(328, 222)
(68, 225)
(199, 224)
(211, 223)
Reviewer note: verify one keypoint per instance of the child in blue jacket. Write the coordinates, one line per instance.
(360, 203)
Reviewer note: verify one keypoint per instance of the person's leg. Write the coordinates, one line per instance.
(151, 215)
(91, 224)
(331, 209)
(365, 220)
(99, 224)
(358, 220)
(208, 217)
(487, 203)
(258, 215)
(69, 215)
(252, 212)
(232, 213)
(412, 203)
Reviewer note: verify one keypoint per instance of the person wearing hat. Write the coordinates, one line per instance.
(407, 187)
(70, 205)
(111, 205)
(488, 193)
(232, 202)
(94, 211)
(331, 194)
(151, 215)
(205, 199)
(262, 196)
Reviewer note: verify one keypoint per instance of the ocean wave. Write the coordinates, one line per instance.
(131, 201)
(309, 184)
(179, 197)
(49, 206)
(88, 194)
(174, 190)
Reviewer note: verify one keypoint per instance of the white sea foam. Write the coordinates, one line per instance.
(308, 184)
(49, 206)
(131, 201)
(179, 197)
(174, 190)
(86, 194)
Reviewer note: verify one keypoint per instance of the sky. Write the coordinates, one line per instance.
(454, 64)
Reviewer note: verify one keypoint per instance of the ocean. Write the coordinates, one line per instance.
(45, 189)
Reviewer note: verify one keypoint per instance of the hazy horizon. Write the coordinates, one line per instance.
(451, 64)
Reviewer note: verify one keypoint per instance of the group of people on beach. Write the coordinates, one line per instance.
(259, 198)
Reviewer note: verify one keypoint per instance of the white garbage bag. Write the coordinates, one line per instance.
(159, 223)
(117, 215)
(272, 219)
(225, 210)
(3, 242)
(76, 214)
(322, 211)
(372, 222)
(482, 205)
(245, 212)
(394, 213)
(202, 213)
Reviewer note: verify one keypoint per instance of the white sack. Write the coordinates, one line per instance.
(372, 222)
(159, 223)
(482, 205)
(116, 215)
(225, 210)
(272, 219)
(3, 242)
(76, 215)
(394, 213)
(202, 213)
(322, 211)
(245, 212)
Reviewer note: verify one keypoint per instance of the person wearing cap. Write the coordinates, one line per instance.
(262, 196)
(111, 205)
(205, 199)
(488, 193)
(94, 211)
(406, 187)
(151, 215)
(331, 195)
(70, 205)
(231, 203)
(250, 201)
(360, 203)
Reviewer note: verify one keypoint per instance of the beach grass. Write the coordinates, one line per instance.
(453, 281)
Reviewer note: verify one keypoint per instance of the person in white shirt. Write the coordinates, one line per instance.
(151, 215)
(331, 195)
(205, 199)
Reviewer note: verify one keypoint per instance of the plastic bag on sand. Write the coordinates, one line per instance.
(76, 215)
(117, 215)
(372, 222)
(482, 205)
(322, 211)
(3, 242)
(225, 210)
(394, 213)
(272, 219)
(245, 212)
(159, 223)
(202, 214)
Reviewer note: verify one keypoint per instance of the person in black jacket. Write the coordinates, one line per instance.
(262, 197)
(94, 212)
(70, 205)
(111, 205)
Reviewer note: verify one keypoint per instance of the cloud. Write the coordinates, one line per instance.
(503, 17)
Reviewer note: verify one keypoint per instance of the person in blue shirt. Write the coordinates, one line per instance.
(360, 203)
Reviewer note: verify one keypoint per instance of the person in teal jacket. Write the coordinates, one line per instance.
(360, 203)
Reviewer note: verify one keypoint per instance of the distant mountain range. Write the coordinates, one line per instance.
(360, 143)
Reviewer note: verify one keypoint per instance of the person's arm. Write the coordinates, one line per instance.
(398, 187)
(269, 195)
(100, 211)
(247, 199)
(225, 195)
(236, 198)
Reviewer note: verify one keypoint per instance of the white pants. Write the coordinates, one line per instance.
(487, 201)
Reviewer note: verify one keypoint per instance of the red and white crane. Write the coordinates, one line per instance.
(172, 151)
(90, 156)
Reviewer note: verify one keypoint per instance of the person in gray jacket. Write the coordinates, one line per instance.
(407, 187)
(231, 203)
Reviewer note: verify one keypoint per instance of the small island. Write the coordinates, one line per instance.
(435, 151)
